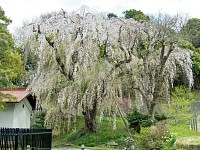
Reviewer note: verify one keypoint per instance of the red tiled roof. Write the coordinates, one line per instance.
(19, 93)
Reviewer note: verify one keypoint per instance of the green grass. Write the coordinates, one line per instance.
(105, 134)
(185, 136)
(99, 139)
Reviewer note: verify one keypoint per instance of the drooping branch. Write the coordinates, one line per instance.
(53, 45)
(164, 58)
(162, 54)
(58, 57)
(123, 119)
(120, 40)
(141, 92)
(126, 60)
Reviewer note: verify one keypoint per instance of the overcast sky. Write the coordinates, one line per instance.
(20, 10)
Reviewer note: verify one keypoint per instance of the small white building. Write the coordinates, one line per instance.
(17, 112)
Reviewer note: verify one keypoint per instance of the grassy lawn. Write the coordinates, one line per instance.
(185, 136)
(99, 139)
(105, 134)
(186, 139)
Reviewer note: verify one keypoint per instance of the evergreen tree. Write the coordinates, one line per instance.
(10, 60)
(191, 31)
(136, 14)
(112, 15)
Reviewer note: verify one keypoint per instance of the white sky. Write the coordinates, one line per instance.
(22, 10)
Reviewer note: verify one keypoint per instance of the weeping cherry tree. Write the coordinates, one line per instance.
(80, 55)
(160, 59)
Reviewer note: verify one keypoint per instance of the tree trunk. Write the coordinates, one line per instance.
(150, 108)
(89, 113)
(90, 119)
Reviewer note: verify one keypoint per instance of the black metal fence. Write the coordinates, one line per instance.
(22, 139)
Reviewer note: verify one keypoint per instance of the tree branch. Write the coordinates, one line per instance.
(58, 58)
(120, 40)
(141, 92)
(127, 60)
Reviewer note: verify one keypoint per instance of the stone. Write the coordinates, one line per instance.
(112, 144)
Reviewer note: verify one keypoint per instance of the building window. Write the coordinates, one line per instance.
(23, 106)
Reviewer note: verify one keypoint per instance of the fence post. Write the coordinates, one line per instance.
(16, 138)
(82, 147)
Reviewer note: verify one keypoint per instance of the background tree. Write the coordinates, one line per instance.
(191, 31)
(112, 15)
(196, 68)
(10, 60)
(196, 63)
(136, 14)
(160, 58)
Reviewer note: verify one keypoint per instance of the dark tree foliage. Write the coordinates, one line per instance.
(112, 15)
(137, 119)
(196, 69)
(39, 120)
(135, 14)
(191, 31)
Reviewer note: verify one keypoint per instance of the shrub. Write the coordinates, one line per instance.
(160, 116)
(38, 120)
(180, 104)
(154, 138)
(146, 123)
(143, 141)
(137, 119)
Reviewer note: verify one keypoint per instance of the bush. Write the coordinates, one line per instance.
(135, 116)
(180, 104)
(160, 116)
(146, 123)
(38, 120)
(143, 141)
(137, 119)
(155, 137)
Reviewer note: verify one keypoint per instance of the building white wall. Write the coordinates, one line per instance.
(17, 116)
(22, 114)
(6, 116)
